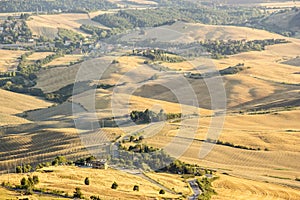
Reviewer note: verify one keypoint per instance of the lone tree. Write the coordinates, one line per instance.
(136, 188)
(78, 193)
(162, 191)
(114, 185)
(35, 179)
(87, 181)
(23, 181)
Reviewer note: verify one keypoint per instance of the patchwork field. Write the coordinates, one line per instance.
(258, 145)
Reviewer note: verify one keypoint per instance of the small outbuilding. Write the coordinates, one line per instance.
(99, 164)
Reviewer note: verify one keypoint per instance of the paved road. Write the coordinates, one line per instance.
(195, 188)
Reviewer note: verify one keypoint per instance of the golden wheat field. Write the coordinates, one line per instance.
(48, 25)
(275, 132)
(188, 32)
(100, 183)
(38, 56)
(6, 194)
(65, 60)
(13, 103)
(229, 187)
(9, 59)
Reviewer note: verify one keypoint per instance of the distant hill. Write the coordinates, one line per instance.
(285, 22)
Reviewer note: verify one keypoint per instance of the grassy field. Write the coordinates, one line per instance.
(189, 32)
(271, 131)
(13, 103)
(65, 60)
(38, 55)
(286, 4)
(229, 187)
(48, 25)
(171, 181)
(267, 82)
(100, 183)
(7, 194)
(8, 59)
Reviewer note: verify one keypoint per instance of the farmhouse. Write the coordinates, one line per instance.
(99, 164)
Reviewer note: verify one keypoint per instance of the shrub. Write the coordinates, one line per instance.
(35, 179)
(162, 191)
(114, 185)
(23, 181)
(19, 169)
(95, 198)
(78, 193)
(136, 188)
(87, 181)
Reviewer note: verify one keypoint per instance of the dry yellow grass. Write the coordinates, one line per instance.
(6, 119)
(8, 59)
(287, 4)
(181, 66)
(190, 32)
(48, 25)
(171, 181)
(67, 178)
(101, 12)
(65, 60)
(141, 104)
(55, 78)
(232, 188)
(143, 2)
(266, 65)
(39, 55)
(256, 131)
(7, 194)
(13, 103)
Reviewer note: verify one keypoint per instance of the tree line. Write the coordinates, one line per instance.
(50, 6)
(127, 19)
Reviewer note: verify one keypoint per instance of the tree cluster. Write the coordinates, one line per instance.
(219, 48)
(179, 167)
(205, 186)
(158, 55)
(24, 168)
(14, 30)
(149, 116)
(143, 156)
(28, 183)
